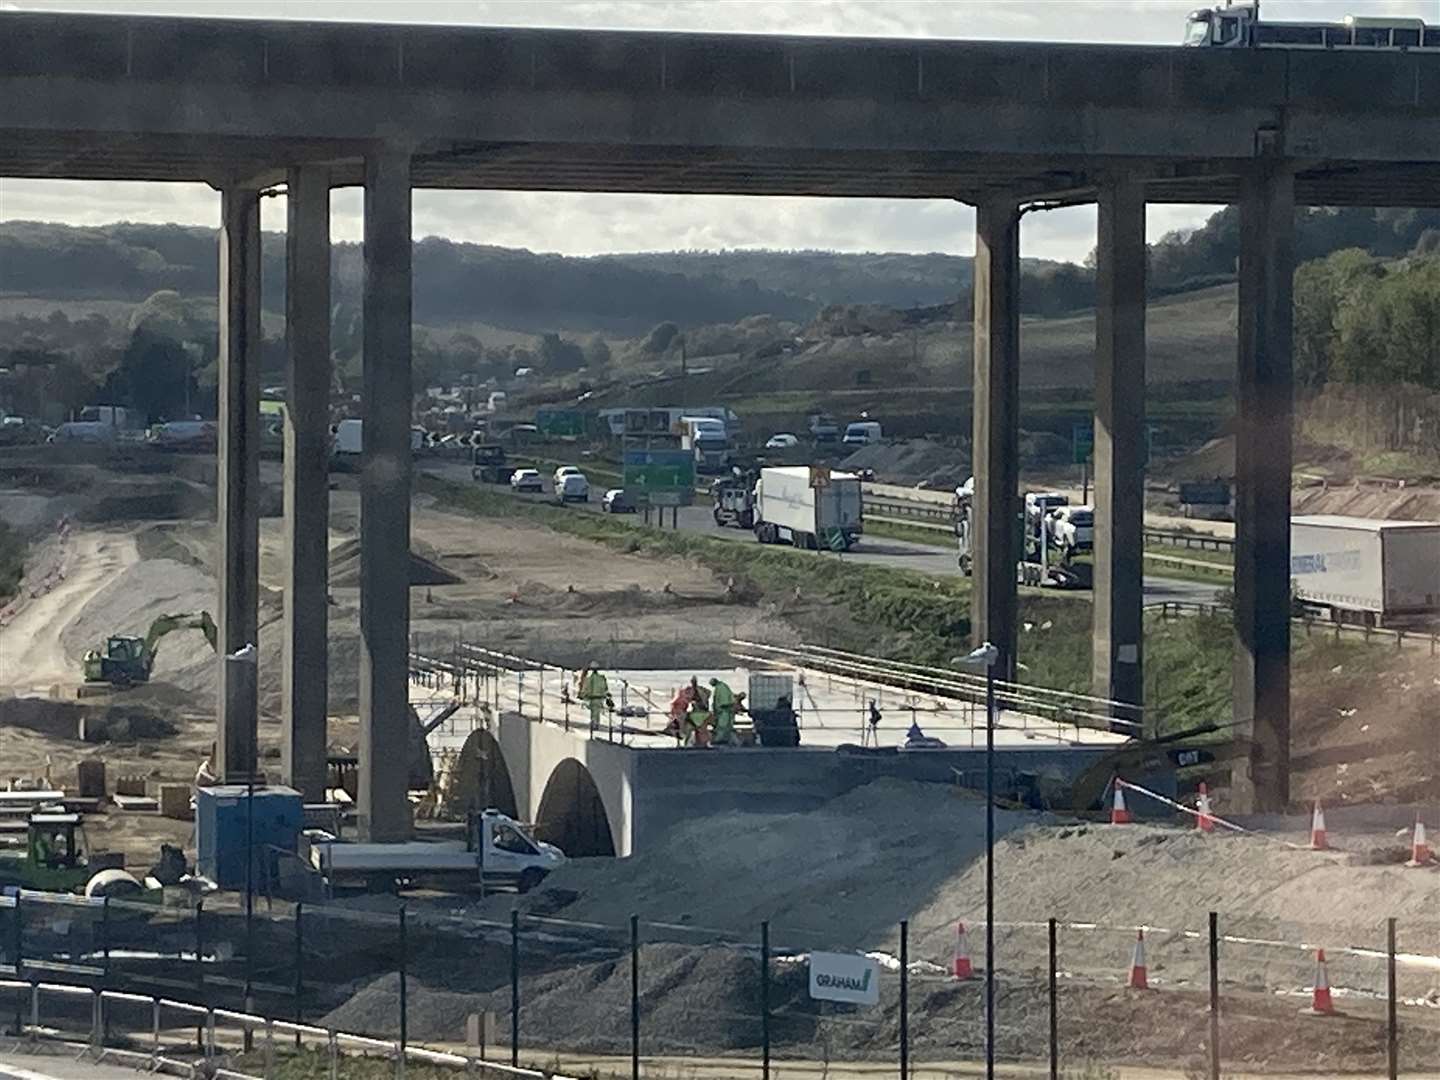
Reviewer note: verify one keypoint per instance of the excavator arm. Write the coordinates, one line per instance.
(198, 620)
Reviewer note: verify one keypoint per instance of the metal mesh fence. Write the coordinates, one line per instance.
(572, 997)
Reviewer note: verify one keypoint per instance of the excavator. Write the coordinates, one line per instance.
(126, 661)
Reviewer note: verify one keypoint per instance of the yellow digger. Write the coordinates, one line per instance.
(126, 661)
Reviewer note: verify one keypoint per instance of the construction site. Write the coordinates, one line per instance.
(857, 808)
(774, 681)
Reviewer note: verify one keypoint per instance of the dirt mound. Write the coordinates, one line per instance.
(914, 462)
(132, 600)
(345, 568)
(732, 870)
(70, 720)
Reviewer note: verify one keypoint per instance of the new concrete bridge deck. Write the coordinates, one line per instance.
(614, 789)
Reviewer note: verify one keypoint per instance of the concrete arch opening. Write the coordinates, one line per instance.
(572, 815)
(480, 778)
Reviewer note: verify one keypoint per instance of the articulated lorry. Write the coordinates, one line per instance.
(1365, 570)
(809, 507)
(498, 851)
(1043, 561)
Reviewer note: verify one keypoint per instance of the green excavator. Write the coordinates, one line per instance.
(126, 661)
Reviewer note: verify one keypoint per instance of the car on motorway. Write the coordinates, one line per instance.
(564, 471)
(782, 441)
(527, 480)
(572, 487)
(618, 501)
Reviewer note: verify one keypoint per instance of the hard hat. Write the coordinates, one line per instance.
(713, 680)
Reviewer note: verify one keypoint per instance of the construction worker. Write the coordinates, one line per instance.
(205, 774)
(593, 692)
(722, 702)
(697, 725)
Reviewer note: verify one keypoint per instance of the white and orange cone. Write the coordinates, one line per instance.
(1204, 821)
(1320, 1001)
(1420, 853)
(1318, 841)
(1138, 979)
(961, 967)
(1119, 812)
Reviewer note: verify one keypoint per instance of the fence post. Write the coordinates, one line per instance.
(199, 967)
(404, 987)
(904, 999)
(154, 1028)
(1054, 1007)
(634, 997)
(1392, 1041)
(209, 1033)
(105, 967)
(1214, 996)
(334, 1053)
(15, 951)
(299, 969)
(514, 988)
(765, 1000)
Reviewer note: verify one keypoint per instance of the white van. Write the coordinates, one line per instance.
(862, 432)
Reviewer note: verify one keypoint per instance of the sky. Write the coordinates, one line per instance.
(586, 224)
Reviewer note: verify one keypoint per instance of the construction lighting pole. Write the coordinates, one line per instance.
(987, 655)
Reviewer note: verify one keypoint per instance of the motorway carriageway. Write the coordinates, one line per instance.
(874, 551)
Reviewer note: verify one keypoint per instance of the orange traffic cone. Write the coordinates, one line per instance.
(1320, 1002)
(1138, 981)
(1317, 829)
(1420, 854)
(1203, 820)
(961, 968)
(1119, 812)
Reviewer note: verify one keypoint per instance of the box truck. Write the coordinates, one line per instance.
(1367, 570)
(809, 507)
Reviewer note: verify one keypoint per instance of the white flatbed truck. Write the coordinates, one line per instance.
(498, 852)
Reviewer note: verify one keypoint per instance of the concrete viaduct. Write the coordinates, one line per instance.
(247, 105)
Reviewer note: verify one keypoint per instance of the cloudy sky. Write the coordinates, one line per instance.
(587, 224)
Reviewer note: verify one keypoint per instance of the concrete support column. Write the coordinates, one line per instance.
(1118, 637)
(307, 496)
(238, 475)
(385, 500)
(1263, 462)
(995, 514)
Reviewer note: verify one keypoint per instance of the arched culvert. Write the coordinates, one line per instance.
(480, 778)
(572, 815)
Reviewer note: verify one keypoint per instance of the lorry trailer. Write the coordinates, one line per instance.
(809, 507)
(1366, 570)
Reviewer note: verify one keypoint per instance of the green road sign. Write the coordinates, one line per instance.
(1082, 443)
(660, 477)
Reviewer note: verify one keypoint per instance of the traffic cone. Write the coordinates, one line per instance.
(1320, 1002)
(1138, 981)
(1420, 854)
(1317, 829)
(1119, 812)
(1203, 820)
(961, 968)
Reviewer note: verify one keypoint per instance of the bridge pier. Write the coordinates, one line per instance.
(1263, 462)
(1118, 634)
(385, 466)
(238, 477)
(307, 496)
(996, 419)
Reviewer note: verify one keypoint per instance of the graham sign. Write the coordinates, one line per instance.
(844, 977)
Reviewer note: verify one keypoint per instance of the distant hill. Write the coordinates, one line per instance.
(457, 284)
